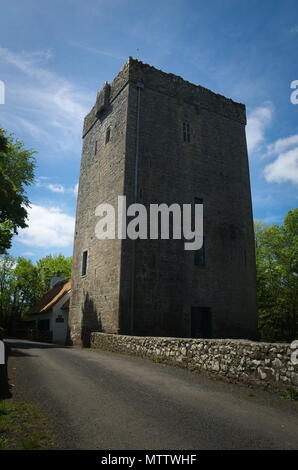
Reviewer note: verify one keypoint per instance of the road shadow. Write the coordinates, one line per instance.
(17, 353)
(23, 344)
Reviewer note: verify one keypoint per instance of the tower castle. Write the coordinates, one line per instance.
(157, 138)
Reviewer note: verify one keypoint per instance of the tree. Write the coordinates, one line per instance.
(277, 278)
(19, 288)
(22, 283)
(17, 166)
(51, 266)
(26, 286)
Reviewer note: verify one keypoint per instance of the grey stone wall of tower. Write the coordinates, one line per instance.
(154, 287)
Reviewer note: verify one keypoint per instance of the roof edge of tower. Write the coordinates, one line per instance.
(134, 71)
(132, 61)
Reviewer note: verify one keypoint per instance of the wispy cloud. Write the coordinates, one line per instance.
(95, 50)
(57, 106)
(48, 227)
(294, 29)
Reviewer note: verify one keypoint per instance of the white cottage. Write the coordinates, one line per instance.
(50, 313)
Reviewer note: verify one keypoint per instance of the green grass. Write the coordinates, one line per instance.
(23, 427)
(157, 360)
(289, 394)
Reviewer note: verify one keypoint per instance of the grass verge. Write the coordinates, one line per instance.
(23, 427)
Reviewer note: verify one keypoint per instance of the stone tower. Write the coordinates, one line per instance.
(156, 138)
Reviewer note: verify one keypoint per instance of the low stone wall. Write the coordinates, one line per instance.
(243, 361)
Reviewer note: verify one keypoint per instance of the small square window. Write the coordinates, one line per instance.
(84, 262)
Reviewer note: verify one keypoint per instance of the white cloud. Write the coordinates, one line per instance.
(257, 122)
(48, 227)
(56, 187)
(284, 168)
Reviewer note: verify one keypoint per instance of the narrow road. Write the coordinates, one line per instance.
(102, 400)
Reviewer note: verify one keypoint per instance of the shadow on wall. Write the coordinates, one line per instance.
(90, 321)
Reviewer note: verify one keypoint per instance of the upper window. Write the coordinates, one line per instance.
(84, 262)
(186, 132)
(108, 135)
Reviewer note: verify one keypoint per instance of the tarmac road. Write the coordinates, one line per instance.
(103, 400)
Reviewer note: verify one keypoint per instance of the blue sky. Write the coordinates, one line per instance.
(55, 55)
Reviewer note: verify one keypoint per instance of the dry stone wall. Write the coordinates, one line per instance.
(267, 364)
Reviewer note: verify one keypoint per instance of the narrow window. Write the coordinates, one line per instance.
(84, 262)
(95, 148)
(186, 132)
(200, 256)
(108, 135)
